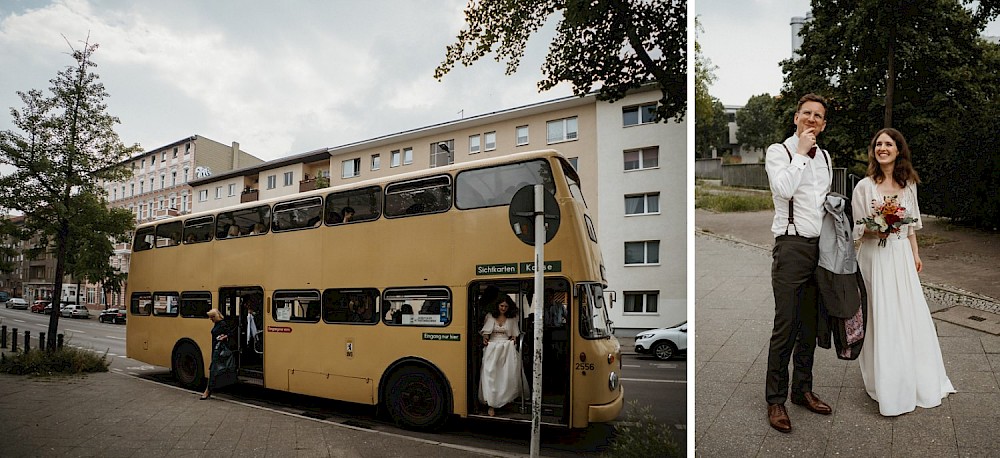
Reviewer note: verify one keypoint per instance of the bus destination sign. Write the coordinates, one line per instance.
(516, 268)
(441, 336)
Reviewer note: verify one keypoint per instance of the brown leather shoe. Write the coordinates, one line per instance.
(813, 403)
(778, 417)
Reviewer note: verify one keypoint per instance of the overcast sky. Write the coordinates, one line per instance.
(746, 39)
(280, 78)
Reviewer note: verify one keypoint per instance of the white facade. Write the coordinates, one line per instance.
(667, 277)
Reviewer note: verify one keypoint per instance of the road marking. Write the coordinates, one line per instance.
(74, 330)
(631, 365)
(665, 366)
(122, 356)
(652, 380)
(19, 321)
(116, 338)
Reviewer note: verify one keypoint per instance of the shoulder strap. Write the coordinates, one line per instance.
(791, 200)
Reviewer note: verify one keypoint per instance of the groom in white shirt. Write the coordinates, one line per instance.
(800, 177)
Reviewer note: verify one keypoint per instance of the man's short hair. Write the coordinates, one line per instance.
(810, 97)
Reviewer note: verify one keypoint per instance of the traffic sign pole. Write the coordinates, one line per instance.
(536, 383)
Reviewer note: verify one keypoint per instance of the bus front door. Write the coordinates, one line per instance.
(243, 308)
(484, 298)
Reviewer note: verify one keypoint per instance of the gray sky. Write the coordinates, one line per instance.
(746, 39)
(279, 80)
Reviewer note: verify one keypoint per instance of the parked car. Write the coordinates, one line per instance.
(112, 316)
(75, 311)
(663, 343)
(17, 303)
(39, 306)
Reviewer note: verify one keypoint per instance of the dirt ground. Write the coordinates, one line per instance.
(955, 256)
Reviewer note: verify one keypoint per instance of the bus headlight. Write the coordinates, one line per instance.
(613, 381)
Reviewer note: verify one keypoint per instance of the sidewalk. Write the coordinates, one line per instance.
(111, 414)
(733, 314)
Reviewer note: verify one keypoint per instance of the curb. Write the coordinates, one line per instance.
(941, 293)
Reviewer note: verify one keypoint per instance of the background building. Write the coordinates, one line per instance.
(633, 173)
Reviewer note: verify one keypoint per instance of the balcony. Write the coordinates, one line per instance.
(249, 195)
(310, 184)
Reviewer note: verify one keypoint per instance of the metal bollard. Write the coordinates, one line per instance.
(3, 336)
(59, 341)
(13, 340)
(27, 340)
(41, 341)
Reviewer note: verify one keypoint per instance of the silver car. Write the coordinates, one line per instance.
(75, 311)
(17, 303)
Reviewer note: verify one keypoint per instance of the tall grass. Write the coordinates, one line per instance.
(640, 436)
(733, 202)
(65, 361)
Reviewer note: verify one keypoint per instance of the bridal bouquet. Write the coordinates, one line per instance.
(886, 219)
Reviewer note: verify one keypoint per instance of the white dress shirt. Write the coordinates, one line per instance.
(808, 180)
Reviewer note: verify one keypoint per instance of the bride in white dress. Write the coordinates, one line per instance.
(501, 379)
(901, 360)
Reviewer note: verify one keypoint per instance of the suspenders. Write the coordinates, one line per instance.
(791, 200)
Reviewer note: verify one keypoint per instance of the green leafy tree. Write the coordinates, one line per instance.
(759, 123)
(617, 45)
(64, 145)
(711, 129)
(944, 81)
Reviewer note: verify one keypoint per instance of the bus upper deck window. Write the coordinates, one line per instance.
(493, 186)
(418, 197)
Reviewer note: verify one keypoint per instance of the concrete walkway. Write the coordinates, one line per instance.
(734, 311)
(109, 414)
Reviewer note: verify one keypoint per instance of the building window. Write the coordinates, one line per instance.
(647, 252)
(232, 189)
(142, 163)
(289, 176)
(474, 144)
(115, 194)
(521, 134)
(272, 181)
(351, 168)
(159, 203)
(575, 162)
(376, 161)
(442, 153)
(218, 192)
(642, 204)
(131, 191)
(152, 161)
(175, 152)
(187, 149)
(173, 178)
(642, 114)
(163, 157)
(163, 181)
(142, 186)
(561, 130)
(641, 302)
(394, 158)
(184, 203)
(491, 141)
(203, 195)
(173, 203)
(408, 156)
(186, 174)
(642, 158)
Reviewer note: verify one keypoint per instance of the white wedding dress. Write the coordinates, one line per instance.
(901, 359)
(501, 379)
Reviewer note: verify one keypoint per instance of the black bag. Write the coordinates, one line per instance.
(223, 369)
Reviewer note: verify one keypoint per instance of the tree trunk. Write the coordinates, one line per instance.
(57, 294)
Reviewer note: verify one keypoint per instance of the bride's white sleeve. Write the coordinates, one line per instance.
(488, 325)
(915, 211)
(860, 207)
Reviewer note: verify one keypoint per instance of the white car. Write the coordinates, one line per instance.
(17, 303)
(75, 311)
(663, 343)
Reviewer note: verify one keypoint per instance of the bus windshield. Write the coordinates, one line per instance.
(594, 322)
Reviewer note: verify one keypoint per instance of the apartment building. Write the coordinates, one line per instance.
(633, 173)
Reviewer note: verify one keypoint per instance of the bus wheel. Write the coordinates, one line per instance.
(417, 398)
(187, 366)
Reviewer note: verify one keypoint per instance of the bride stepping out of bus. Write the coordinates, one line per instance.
(501, 378)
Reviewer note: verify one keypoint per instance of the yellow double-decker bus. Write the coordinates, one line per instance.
(375, 293)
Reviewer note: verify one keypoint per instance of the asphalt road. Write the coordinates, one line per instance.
(661, 385)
